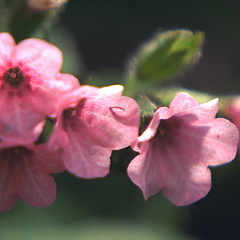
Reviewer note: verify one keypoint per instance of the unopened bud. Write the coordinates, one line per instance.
(44, 5)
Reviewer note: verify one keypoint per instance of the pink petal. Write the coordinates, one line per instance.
(23, 176)
(86, 91)
(40, 55)
(113, 123)
(71, 99)
(48, 93)
(85, 158)
(184, 102)
(176, 159)
(81, 155)
(7, 45)
(89, 132)
(48, 160)
(220, 142)
(145, 171)
(19, 122)
(36, 188)
(171, 169)
(24, 107)
(8, 185)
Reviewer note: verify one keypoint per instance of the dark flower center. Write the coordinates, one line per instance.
(169, 127)
(72, 117)
(13, 76)
(69, 112)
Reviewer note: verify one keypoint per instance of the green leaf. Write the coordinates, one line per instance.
(166, 55)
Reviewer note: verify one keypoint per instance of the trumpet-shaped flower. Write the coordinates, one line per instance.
(30, 87)
(25, 174)
(177, 148)
(93, 123)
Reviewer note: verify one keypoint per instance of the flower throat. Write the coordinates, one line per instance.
(13, 76)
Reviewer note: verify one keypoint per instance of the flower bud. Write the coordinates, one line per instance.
(44, 5)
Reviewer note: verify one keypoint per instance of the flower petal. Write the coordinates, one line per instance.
(89, 131)
(40, 55)
(145, 170)
(7, 45)
(220, 142)
(112, 122)
(48, 160)
(8, 185)
(48, 93)
(112, 90)
(37, 94)
(36, 187)
(85, 158)
(174, 169)
(22, 177)
(183, 103)
(186, 141)
(18, 122)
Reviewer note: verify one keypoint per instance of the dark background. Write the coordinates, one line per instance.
(109, 32)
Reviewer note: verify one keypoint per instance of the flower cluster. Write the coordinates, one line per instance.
(174, 151)
(90, 123)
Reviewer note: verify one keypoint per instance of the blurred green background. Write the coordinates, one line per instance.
(105, 34)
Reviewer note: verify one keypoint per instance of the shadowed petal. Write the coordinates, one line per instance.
(176, 158)
(24, 174)
(8, 184)
(48, 160)
(36, 188)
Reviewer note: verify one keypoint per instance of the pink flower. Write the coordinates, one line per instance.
(25, 174)
(178, 146)
(233, 112)
(93, 123)
(30, 87)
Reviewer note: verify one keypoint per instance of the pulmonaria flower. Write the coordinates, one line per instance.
(178, 146)
(25, 174)
(93, 123)
(30, 87)
(233, 112)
